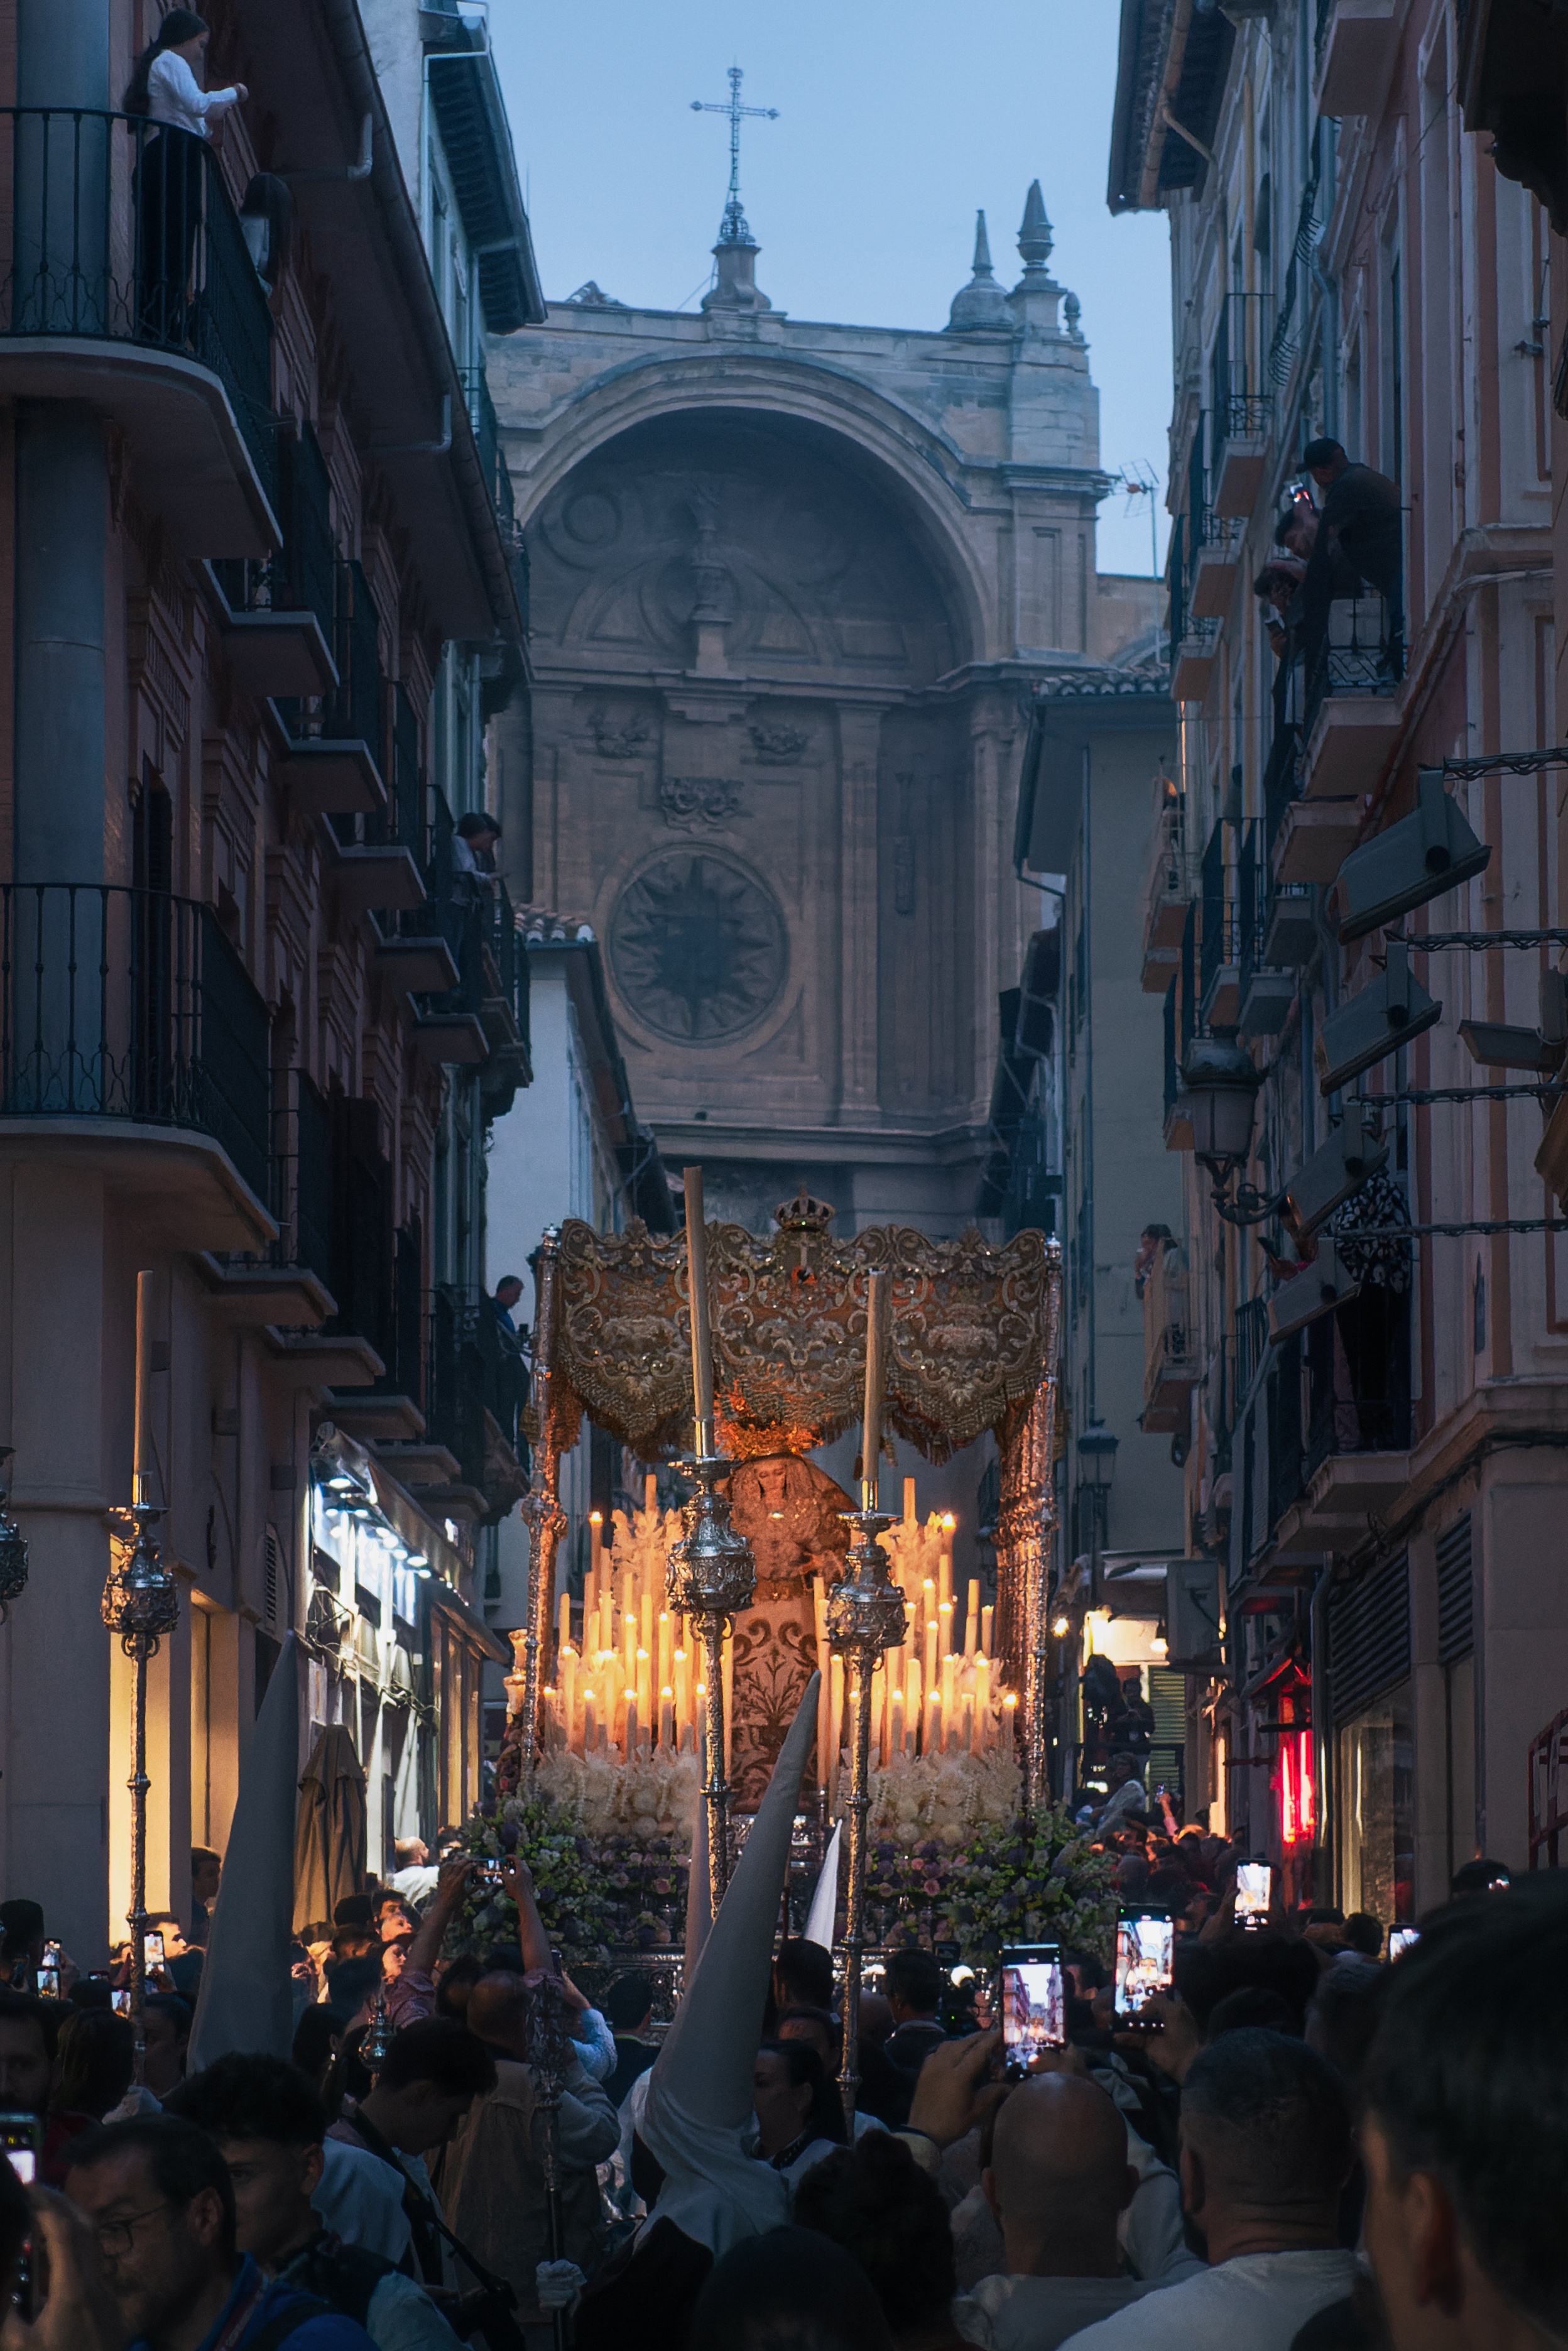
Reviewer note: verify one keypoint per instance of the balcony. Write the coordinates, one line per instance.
(1217, 567)
(1347, 1457)
(333, 764)
(1167, 889)
(479, 1020)
(1220, 974)
(1355, 44)
(1267, 988)
(127, 284)
(282, 621)
(1352, 717)
(1315, 840)
(1241, 406)
(127, 1016)
(1171, 1366)
(445, 1414)
(1193, 656)
(487, 438)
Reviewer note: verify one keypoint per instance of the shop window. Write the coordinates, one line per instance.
(1376, 1810)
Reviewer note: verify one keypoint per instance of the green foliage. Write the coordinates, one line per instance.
(1020, 1881)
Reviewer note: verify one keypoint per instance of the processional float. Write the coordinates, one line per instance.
(768, 1347)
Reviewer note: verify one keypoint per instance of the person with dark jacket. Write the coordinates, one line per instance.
(1360, 514)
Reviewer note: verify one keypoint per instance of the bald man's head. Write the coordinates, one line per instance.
(498, 2011)
(1060, 2179)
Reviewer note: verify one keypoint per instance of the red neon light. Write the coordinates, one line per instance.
(1297, 1795)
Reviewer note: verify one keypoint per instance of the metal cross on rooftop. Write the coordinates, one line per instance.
(735, 230)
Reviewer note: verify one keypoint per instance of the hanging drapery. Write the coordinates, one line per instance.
(329, 1830)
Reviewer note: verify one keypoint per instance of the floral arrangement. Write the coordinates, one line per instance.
(608, 1849)
(654, 1797)
(1008, 1880)
(567, 1881)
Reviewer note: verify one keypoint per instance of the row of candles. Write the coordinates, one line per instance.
(632, 1682)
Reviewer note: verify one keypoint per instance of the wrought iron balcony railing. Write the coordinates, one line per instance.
(122, 231)
(130, 1004)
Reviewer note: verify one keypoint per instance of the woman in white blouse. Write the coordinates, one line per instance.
(166, 87)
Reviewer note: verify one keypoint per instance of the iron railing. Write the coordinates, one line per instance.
(302, 576)
(1355, 649)
(353, 710)
(487, 435)
(1240, 404)
(122, 230)
(131, 1003)
(403, 818)
(1219, 927)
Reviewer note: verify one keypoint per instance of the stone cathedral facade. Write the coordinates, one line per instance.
(792, 586)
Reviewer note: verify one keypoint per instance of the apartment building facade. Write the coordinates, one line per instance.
(255, 1013)
(1348, 915)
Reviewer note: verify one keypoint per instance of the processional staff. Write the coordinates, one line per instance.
(711, 1574)
(541, 1510)
(865, 1617)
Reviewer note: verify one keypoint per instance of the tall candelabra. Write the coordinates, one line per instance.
(865, 1614)
(711, 1574)
(541, 1510)
(140, 1604)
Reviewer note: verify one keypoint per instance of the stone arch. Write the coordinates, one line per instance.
(900, 458)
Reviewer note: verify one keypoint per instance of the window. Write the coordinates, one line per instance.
(1376, 1810)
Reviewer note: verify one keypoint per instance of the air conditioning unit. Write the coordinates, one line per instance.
(1193, 1613)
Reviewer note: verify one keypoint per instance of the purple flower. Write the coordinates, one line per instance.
(931, 1886)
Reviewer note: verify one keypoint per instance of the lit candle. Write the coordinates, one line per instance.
(949, 1686)
(913, 1686)
(982, 1700)
(651, 1491)
(1009, 1717)
(595, 1543)
(629, 1740)
(696, 1295)
(930, 1651)
(927, 1605)
(666, 1719)
(909, 1502)
(934, 1722)
(945, 1629)
(895, 1720)
(986, 1616)
(876, 1323)
(563, 1637)
(683, 1688)
(646, 1613)
(590, 1720)
(972, 1617)
(569, 1691)
(629, 1644)
(645, 1688)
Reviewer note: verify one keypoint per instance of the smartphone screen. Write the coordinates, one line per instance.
(121, 2003)
(1253, 1879)
(19, 2136)
(1145, 1953)
(1402, 1940)
(49, 1982)
(1034, 2004)
(153, 1948)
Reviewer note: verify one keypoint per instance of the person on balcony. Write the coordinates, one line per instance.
(1361, 513)
(165, 90)
(474, 844)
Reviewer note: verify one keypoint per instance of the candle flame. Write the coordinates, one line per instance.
(596, 1517)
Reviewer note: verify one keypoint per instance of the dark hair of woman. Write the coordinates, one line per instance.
(180, 26)
(95, 2062)
(825, 2115)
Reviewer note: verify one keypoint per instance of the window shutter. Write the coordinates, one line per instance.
(1369, 1637)
(1456, 1604)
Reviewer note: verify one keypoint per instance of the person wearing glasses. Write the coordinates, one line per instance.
(156, 2195)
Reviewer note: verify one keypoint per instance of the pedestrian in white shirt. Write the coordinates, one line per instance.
(166, 87)
(1266, 2146)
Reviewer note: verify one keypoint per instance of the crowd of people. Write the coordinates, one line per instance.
(1299, 2146)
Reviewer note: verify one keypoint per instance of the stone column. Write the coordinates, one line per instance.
(55, 1650)
(859, 744)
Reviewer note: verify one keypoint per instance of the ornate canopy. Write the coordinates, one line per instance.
(973, 1333)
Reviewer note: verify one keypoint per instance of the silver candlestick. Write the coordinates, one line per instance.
(866, 1613)
(711, 1578)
